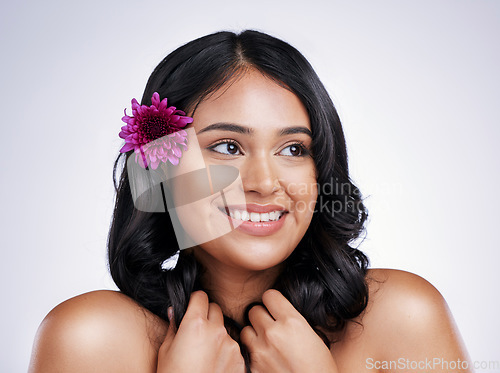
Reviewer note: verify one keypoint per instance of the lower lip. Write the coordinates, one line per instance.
(262, 228)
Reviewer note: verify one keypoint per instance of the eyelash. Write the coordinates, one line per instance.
(304, 151)
(225, 141)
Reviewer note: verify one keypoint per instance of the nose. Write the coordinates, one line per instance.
(259, 175)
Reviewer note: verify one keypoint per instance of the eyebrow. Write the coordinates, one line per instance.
(294, 130)
(226, 127)
(232, 127)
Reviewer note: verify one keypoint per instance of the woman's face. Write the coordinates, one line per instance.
(264, 131)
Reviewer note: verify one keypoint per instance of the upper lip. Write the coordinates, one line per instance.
(252, 207)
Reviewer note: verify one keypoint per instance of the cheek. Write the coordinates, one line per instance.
(302, 189)
(195, 203)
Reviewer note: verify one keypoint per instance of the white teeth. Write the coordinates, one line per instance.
(245, 215)
(255, 216)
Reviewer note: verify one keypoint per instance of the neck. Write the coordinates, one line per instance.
(233, 289)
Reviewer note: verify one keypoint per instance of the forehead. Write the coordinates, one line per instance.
(252, 100)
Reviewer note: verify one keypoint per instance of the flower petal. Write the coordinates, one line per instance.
(163, 104)
(155, 100)
(128, 146)
(135, 105)
(170, 111)
(154, 164)
(182, 121)
(126, 119)
(177, 151)
(173, 159)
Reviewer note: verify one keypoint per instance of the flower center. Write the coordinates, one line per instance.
(155, 127)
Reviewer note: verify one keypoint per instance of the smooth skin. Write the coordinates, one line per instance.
(105, 331)
(202, 326)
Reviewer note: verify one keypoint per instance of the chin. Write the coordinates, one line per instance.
(253, 256)
(259, 263)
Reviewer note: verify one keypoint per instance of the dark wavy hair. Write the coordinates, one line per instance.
(324, 278)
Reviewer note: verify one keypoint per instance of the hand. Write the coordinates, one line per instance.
(201, 344)
(281, 340)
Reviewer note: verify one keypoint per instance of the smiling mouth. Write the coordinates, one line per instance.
(254, 217)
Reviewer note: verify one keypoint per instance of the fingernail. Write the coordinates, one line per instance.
(170, 313)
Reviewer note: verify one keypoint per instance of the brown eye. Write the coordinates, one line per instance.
(232, 149)
(294, 150)
(228, 148)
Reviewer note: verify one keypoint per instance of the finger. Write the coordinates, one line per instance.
(170, 330)
(260, 319)
(277, 305)
(215, 314)
(197, 306)
(248, 336)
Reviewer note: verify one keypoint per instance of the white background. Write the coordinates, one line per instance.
(416, 84)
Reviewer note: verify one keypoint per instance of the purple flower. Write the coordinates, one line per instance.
(155, 132)
(162, 149)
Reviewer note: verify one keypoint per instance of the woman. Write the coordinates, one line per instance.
(281, 290)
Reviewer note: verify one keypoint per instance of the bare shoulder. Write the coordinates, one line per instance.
(408, 317)
(98, 331)
(406, 321)
(401, 289)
